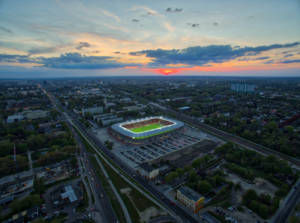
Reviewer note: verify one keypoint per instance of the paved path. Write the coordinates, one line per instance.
(30, 161)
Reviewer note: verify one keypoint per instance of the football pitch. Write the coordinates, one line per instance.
(146, 128)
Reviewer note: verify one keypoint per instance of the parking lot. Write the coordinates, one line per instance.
(153, 150)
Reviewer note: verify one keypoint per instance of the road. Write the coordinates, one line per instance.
(292, 201)
(109, 214)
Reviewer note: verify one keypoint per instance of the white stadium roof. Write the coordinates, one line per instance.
(126, 132)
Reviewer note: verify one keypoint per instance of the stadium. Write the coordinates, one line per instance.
(146, 130)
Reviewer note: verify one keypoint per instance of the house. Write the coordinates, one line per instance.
(18, 220)
(191, 199)
(148, 171)
(32, 212)
(160, 179)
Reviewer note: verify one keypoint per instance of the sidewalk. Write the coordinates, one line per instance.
(127, 216)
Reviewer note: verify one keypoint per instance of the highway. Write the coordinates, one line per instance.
(96, 190)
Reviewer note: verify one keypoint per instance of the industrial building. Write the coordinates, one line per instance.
(15, 118)
(191, 199)
(239, 87)
(36, 114)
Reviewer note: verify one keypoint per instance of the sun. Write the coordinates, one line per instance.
(167, 71)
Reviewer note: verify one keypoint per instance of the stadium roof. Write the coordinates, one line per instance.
(126, 132)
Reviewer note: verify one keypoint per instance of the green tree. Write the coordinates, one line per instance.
(272, 126)
(100, 123)
(88, 115)
(196, 163)
(40, 220)
(254, 205)
(73, 161)
(187, 168)
(263, 211)
(179, 172)
(204, 186)
(192, 176)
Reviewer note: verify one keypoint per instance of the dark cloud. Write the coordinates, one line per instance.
(150, 13)
(244, 59)
(194, 25)
(261, 58)
(176, 10)
(288, 55)
(269, 62)
(82, 45)
(286, 52)
(202, 56)
(118, 52)
(189, 24)
(5, 30)
(290, 61)
(215, 23)
(135, 20)
(298, 53)
(69, 61)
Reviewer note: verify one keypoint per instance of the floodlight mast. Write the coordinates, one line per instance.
(15, 159)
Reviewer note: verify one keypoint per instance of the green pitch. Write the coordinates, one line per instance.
(146, 128)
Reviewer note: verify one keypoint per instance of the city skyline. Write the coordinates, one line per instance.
(75, 38)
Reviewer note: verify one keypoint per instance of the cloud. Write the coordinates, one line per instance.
(194, 25)
(203, 56)
(135, 20)
(298, 53)
(117, 52)
(69, 61)
(269, 62)
(83, 44)
(244, 59)
(261, 58)
(290, 61)
(288, 55)
(176, 10)
(5, 30)
(150, 13)
(215, 23)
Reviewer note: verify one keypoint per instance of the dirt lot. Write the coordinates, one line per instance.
(260, 185)
(185, 156)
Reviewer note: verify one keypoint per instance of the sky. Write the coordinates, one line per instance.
(69, 38)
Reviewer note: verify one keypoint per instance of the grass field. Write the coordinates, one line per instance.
(146, 128)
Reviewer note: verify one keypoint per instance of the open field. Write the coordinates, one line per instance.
(146, 128)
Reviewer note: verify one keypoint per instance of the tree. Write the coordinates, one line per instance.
(204, 186)
(179, 172)
(263, 210)
(73, 161)
(88, 115)
(192, 176)
(40, 220)
(272, 126)
(251, 194)
(212, 181)
(187, 168)
(254, 205)
(196, 163)
(100, 123)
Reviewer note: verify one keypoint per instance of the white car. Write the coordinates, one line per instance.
(249, 210)
(74, 210)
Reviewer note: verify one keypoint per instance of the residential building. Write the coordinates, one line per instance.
(148, 171)
(242, 87)
(191, 199)
(93, 110)
(32, 211)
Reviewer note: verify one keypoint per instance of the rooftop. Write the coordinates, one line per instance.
(189, 193)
